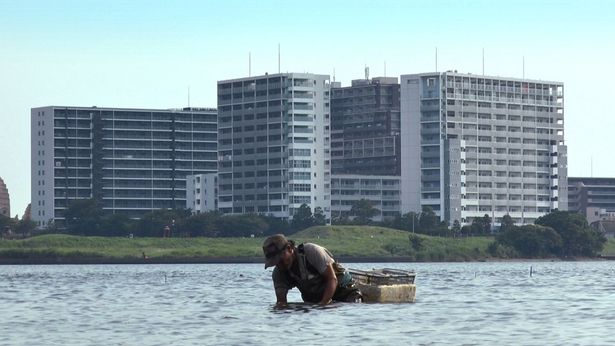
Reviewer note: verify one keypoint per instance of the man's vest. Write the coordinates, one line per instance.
(310, 281)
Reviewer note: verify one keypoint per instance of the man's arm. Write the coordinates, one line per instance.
(330, 281)
(281, 296)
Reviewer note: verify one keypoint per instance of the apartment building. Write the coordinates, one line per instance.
(131, 161)
(274, 144)
(202, 193)
(592, 197)
(383, 192)
(473, 145)
(365, 127)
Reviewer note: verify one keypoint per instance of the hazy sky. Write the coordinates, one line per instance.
(147, 54)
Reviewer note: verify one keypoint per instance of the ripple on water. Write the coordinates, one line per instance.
(457, 303)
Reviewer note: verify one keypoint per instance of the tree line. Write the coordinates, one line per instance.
(425, 222)
(559, 233)
(556, 234)
(85, 217)
(11, 228)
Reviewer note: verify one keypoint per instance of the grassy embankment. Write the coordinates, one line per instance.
(609, 248)
(360, 243)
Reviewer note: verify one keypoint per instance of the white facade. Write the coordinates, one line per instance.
(202, 193)
(274, 144)
(42, 166)
(475, 145)
(410, 145)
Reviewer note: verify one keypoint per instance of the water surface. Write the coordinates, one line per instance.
(570, 303)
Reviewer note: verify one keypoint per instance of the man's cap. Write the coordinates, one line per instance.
(272, 247)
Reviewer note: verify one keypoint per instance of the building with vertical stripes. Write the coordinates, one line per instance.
(274, 144)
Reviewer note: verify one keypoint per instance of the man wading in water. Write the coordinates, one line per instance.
(309, 267)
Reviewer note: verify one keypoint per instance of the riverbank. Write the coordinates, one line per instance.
(347, 243)
(178, 260)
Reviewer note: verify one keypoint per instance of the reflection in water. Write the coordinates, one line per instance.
(303, 307)
(222, 304)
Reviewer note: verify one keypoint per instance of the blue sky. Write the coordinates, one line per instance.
(147, 54)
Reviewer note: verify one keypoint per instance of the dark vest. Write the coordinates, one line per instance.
(309, 281)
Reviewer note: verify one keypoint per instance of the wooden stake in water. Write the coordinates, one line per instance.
(531, 271)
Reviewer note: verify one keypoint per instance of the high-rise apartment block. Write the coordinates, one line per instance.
(131, 161)
(274, 144)
(474, 145)
(365, 146)
(365, 127)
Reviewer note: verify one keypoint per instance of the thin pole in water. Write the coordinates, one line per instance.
(531, 271)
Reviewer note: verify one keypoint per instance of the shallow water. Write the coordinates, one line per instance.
(570, 303)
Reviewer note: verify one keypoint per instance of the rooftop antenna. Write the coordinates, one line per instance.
(483, 61)
(188, 96)
(591, 165)
(523, 67)
(366, 72)
(278, 58)
(334, 74)
(436, 59)
(385, 68)
(249, 64)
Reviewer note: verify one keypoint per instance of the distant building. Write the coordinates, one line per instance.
(27, 214)
(606, 227)
(473, 145)
(383, 192)
(5, 201)
(365, 127)
(202, 192)
(274, 144)
(592, 197)
(131, 161)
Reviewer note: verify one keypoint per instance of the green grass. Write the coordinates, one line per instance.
(609, 248)
(124, 248)
(344, 241)
(361, 242)
(367, 241)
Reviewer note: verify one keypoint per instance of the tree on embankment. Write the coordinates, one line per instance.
(362, 212)
(578, 238)
(560, 233)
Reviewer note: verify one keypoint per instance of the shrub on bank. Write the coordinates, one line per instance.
(559, 233)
